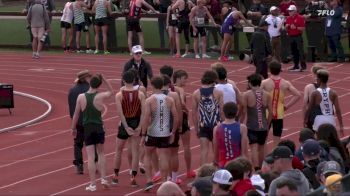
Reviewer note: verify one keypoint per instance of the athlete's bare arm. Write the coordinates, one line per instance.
(178, 106)
(142, 98)
(195, 101)
(93, 10)
(167, 17)
(293, 91)
(241, 17)
(335, 100)
(100, 97)
(147, 115)
(306, 97)
(312, 103)
(269, 107)
(144, 3)
(182, 94)
(171, 103)
(244, 141)
(108, 6)
(244, 105)
(210, 16)
(215, 146)
(191, 16)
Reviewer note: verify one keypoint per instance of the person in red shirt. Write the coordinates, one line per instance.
(295, 25)
(285, 51)
(240, 185)
(284, 5)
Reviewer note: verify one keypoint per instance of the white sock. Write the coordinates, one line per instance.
(173, 176)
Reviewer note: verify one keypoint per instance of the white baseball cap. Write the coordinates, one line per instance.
(273, 8)
(222, 176)
(136, 49)
(292, 8)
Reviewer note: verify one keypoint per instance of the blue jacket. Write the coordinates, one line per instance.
(336, 19)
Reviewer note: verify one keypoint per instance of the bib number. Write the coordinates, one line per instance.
(173, 17)
(200, 21)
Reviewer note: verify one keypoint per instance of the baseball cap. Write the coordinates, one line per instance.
(292, 8)
(306, 134)
(311, 147)
(82, 74)
(281, 152)
(269, 159)
(136, 49)
(273, 8)
(222, 176)
(320, 169)
(331, 167)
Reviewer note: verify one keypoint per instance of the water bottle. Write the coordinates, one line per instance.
(43, 38)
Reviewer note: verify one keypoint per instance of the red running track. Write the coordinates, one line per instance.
(37, 160)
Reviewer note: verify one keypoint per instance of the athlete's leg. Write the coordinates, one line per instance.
(224, 44)
(141, 39)
(186, 138)
(97, 32)
(90, 151)
(104, 37)
(117, 158)
(204, 143)
(163, 154)
(177, 42)
(149, 151)
(77, 39)
(130, 40)
(174, 162)
(63, 37)
(134, 141)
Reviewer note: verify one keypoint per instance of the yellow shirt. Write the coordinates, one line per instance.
(277, 101)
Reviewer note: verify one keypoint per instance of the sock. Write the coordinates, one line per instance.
(116, 172)
(133, 174)
(173, 176)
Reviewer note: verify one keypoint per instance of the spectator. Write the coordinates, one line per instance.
(337, 151)
(256, 11)
(247, 166)
(285, 52)
(304, 135)
(284, 5)
(286, 187)
(143, 68)
(333, 184)
(295, 25)
(163, 7)
(171, 24)
(274, 29)
(81, 23)
(333, 32)
(259, 184)
(283, 163)
(39, 23)
(202, 185)
(261, 49)
(222, 181)
(311, 152)
(169, 188)
(296, 163)
(240, 185)
(66, 27)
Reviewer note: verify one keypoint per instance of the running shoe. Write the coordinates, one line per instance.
(294, 69)
(80, 51)
(106, 52)
(115, 180)
(91, 187)
(142, 168)
(146, 52)
(89, 51)
(205, 56)
(197, 56)
(184, 55)
(133, 183)
(191, 174)
(223, 58)
(104, 183)
(96, 52)
(148, 186)
(214, 47)
(156, 177)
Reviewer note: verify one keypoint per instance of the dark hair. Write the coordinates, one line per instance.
(329, 133)
(166, 80)
(306, 134)
(230, 110)
(254, 79)
(96, 81)
(324, 145)
(179, 74)
(129, 77)
(247, 165)
(275, 67)
(224, 187)
(209, 77)
(289, 143)
(157, 82)
(221, 71)
(236, 169)
(322, 75)
(287, 183)
(136, 75)
(252, 193)
(167, 70)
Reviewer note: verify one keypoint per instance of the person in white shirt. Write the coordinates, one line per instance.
(274, 29)
(66, 26)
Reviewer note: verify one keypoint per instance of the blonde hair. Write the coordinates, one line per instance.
(206, 170)
(316, 67)
(216, 65)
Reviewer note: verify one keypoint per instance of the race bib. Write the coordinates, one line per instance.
(200, 21)
(329, 22)
(173, 17)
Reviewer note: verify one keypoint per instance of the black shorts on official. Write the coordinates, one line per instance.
(82, 27)
(206, 132)
(277, 127)
(132, 123)
(94, 134)
(200, 31)
(101, 21)
(257, 137)
(185, 125)
(65, 25)
(133, 24)
(175, 144)
(158, 142)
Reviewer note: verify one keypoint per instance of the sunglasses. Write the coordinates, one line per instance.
(138, 53)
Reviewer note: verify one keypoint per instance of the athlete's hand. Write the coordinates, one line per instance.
(142, 142)
(195, 30)
(137, 131)
(130, 131)
(74, 133)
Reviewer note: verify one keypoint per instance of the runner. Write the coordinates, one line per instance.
(197, 21)
(206, 104)
(91, 106)
(308, 90)
(256, 103)
(174, 147)
(133, 22)
(278, 88)
(180, 81)
(129, 102)
(324, 100)
(230, 137)
(66, 27)
(171, 24)
(183, 9)
(79, 7)
(156, 133)
(88, 22)
(227, 30)
(101, 9)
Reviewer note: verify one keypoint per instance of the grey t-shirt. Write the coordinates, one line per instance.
(37, 16)
(203, 185)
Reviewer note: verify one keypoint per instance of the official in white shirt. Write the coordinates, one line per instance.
(274, 29)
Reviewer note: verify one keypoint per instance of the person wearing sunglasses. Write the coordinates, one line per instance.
(142, 67)
(222, 181)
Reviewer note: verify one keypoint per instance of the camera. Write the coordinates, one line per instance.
(43, 38)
